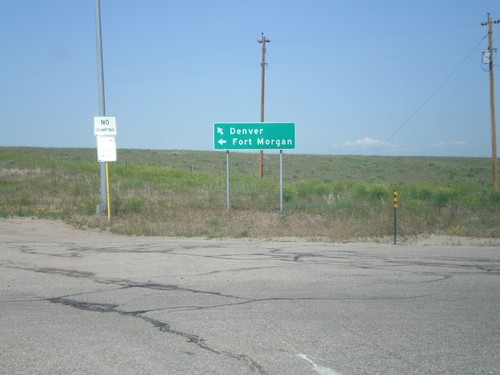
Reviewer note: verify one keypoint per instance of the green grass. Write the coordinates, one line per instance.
(183, 193)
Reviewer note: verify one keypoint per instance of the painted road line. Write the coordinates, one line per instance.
(319, 369)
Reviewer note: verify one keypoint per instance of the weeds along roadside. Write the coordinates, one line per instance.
(329, 197)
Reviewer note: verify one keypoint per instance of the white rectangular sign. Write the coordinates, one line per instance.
(106, 149)
(104, 126)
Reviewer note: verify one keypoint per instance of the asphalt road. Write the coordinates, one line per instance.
(76, 302)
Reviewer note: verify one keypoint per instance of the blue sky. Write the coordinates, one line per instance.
(361, 77)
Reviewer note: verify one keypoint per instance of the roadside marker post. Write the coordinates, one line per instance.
(395, 215)
(107, 192)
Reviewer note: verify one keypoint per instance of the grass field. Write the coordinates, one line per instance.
(183, 193)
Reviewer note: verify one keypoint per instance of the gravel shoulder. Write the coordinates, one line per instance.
(41, 228)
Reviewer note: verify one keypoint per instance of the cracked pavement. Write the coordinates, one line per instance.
(85, 302)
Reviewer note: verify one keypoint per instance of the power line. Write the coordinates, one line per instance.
(298, 103)
(385, 57)
(123, 82)
(147, 61)
(191, 54)
(402, 32)
(430, 96)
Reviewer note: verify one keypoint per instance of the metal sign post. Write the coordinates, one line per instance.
(228, 205)
(281, 180)
(102, 104)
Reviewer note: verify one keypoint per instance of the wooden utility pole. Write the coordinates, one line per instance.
(492, 101)
(263, 41)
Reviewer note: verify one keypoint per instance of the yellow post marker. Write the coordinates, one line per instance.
(395, 214)
(107, 192)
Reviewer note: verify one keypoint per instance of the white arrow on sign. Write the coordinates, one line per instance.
(219, 130)
(221, 141)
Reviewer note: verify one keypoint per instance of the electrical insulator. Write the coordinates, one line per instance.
(486, 57)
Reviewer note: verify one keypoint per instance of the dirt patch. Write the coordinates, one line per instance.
(33, 228)
(40, 228)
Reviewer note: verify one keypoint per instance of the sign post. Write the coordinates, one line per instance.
(395, 215)
(281, 180)
(105, 133)
(102, 104)
(228, 204)
(254, 136)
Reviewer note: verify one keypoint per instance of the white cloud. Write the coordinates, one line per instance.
(366, 141)
(450, 144)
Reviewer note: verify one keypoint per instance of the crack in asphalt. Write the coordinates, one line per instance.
(50, 270)
(196, 340)
(162, 326)
(156, 286)
(486, 266)
(233, 270)
(34, 250)
(361, 261)
(280, 254)
(192, 338)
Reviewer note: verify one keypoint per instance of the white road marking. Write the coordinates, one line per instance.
(319, 369)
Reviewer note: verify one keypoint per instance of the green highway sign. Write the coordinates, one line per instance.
(254, 136)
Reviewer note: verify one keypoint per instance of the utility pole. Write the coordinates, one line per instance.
(492, 100)
(263, 41)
